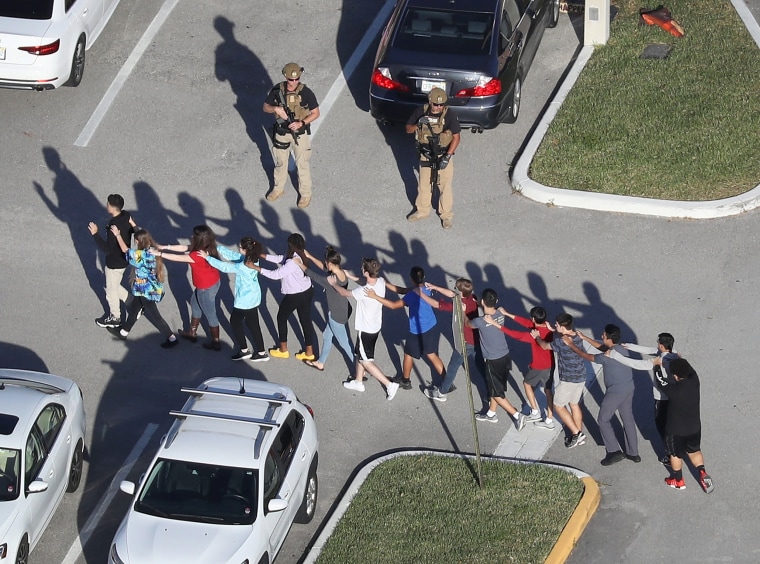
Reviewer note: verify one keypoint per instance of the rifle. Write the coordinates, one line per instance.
(291, 117)
(433, 153)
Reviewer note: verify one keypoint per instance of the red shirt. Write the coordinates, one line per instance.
(470, 310)
(541, 359)
(204, 275)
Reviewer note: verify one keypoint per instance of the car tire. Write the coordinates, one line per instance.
(77, 63)
(22, 554)
(309, 503)
(513, 104)
(553, 14)
(75, 470)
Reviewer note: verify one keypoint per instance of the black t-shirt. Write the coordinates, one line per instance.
(451, 122)
(683, 408)
(114, 257)
(308, 99)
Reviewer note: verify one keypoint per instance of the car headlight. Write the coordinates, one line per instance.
(114, 554)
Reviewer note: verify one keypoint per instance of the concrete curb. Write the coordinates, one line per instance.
(570, 534)
(523, 184)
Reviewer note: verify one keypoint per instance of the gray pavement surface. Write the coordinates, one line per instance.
(184, 142)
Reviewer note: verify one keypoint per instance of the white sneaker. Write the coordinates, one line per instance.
(356, 386)
(434, 394)
(544, 424)
(520, 421)
(533, 416)
(391, 389)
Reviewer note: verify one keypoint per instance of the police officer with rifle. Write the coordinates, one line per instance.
(437, 132)
(295, 108)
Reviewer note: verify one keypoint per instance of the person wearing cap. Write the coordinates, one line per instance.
(437, 132)
(295, 108)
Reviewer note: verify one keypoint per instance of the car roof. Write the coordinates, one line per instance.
(462, 5)
(22, 394)
(220, 425)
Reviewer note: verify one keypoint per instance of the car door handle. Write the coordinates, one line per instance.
(285, 495)
(52, 473)
(84, 12)
(303, 455)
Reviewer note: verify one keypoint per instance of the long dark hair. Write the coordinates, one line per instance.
(203, 239)
(251, 249)
(297, 244)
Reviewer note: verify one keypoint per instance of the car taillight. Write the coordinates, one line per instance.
(382, 78)
(490, 88)
(48, 49)
(309, 409)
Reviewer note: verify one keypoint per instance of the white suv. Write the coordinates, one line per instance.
(237, 467)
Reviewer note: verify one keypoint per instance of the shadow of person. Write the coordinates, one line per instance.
(76, 206)
(249, 81)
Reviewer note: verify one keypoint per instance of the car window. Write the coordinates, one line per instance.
(27, 9)
(513, 13)
(440, 31)
(35, 456)
(286, 442)
(10, 461)
(49, 424)
(272, 477)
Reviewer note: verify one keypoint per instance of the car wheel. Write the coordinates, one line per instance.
(309, 503)
(77, 64)
(553, 14)
(514, 101)
(75, 470)
(22, 554)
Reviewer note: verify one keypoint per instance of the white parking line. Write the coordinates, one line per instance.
(353, 62)
(76, 548)
(97, 116)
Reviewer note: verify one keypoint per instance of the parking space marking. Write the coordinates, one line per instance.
(97, 116)
(353, 62)
(76, 548)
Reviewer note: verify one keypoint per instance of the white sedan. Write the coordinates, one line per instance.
(42, 429)
(43, 42)
(236, 469)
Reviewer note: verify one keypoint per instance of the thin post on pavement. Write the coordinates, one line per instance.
(462, 346)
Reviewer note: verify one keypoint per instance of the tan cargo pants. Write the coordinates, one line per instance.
(425, 191)
(301, 155)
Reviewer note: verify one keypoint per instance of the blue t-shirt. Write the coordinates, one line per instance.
(421, 315)
(571, 366)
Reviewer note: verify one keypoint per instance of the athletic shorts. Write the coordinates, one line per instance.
(497, 373)
(538, 378)
(568, 392)
(365, 345)
(680, 446)
(418, 344)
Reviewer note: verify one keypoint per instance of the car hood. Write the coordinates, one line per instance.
(449, 64)
(155, 540)
(12, 29)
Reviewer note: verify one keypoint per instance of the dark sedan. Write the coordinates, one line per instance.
(477, 51)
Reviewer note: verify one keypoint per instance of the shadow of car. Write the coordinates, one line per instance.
(478, 51)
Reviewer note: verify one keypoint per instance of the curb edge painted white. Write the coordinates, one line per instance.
(523, 184)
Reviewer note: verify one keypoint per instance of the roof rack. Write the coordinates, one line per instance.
(271, 398)
(209, 415)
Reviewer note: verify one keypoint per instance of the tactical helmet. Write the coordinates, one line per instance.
(292, 70)
(437, 96)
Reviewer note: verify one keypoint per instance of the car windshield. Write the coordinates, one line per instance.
(200, 492)
(9, 473)
(27, 9)
(439, 31)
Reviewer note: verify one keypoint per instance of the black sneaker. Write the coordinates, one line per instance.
(403, 383)
(107, 321)
(259, 357)
(242, 355)
(612, 458)
(116, 332)
(633, 458)
(168, 343)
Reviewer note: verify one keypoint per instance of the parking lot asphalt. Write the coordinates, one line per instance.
(184, 141)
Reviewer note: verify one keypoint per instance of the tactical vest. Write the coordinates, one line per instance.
(293, 101)
(435, 127)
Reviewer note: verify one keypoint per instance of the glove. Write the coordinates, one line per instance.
(423, 120)
(444, 162)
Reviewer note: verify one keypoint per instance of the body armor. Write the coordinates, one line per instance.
(434, 127)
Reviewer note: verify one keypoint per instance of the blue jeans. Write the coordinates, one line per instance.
(456, 362)
(203, 302)
(340, 332)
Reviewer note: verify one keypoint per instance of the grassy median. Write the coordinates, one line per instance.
(430, 509)
(683, 128)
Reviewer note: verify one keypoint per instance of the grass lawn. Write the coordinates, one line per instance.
(426, 508)
(683, 128)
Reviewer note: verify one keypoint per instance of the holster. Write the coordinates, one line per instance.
(277, 129)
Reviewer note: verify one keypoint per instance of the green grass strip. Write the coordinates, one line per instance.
(683, 128)
(429, 509)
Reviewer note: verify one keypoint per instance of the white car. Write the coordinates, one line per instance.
(236, 469)
(43, 42)
(42, 429)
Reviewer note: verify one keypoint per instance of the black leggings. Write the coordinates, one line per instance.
(150, 310)
(300, 303)
(251, 319)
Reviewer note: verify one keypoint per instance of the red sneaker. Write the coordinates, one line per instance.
(706, 481)
(675, 483)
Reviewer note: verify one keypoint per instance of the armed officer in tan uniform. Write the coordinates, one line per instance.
(437, 132)
(295, 108)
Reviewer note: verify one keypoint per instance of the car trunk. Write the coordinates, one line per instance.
(17, 33)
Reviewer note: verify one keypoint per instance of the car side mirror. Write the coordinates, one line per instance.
(277, 505)
(37, 486)
(127, 487)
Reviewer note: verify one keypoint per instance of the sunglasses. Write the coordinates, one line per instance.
(293, 79)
